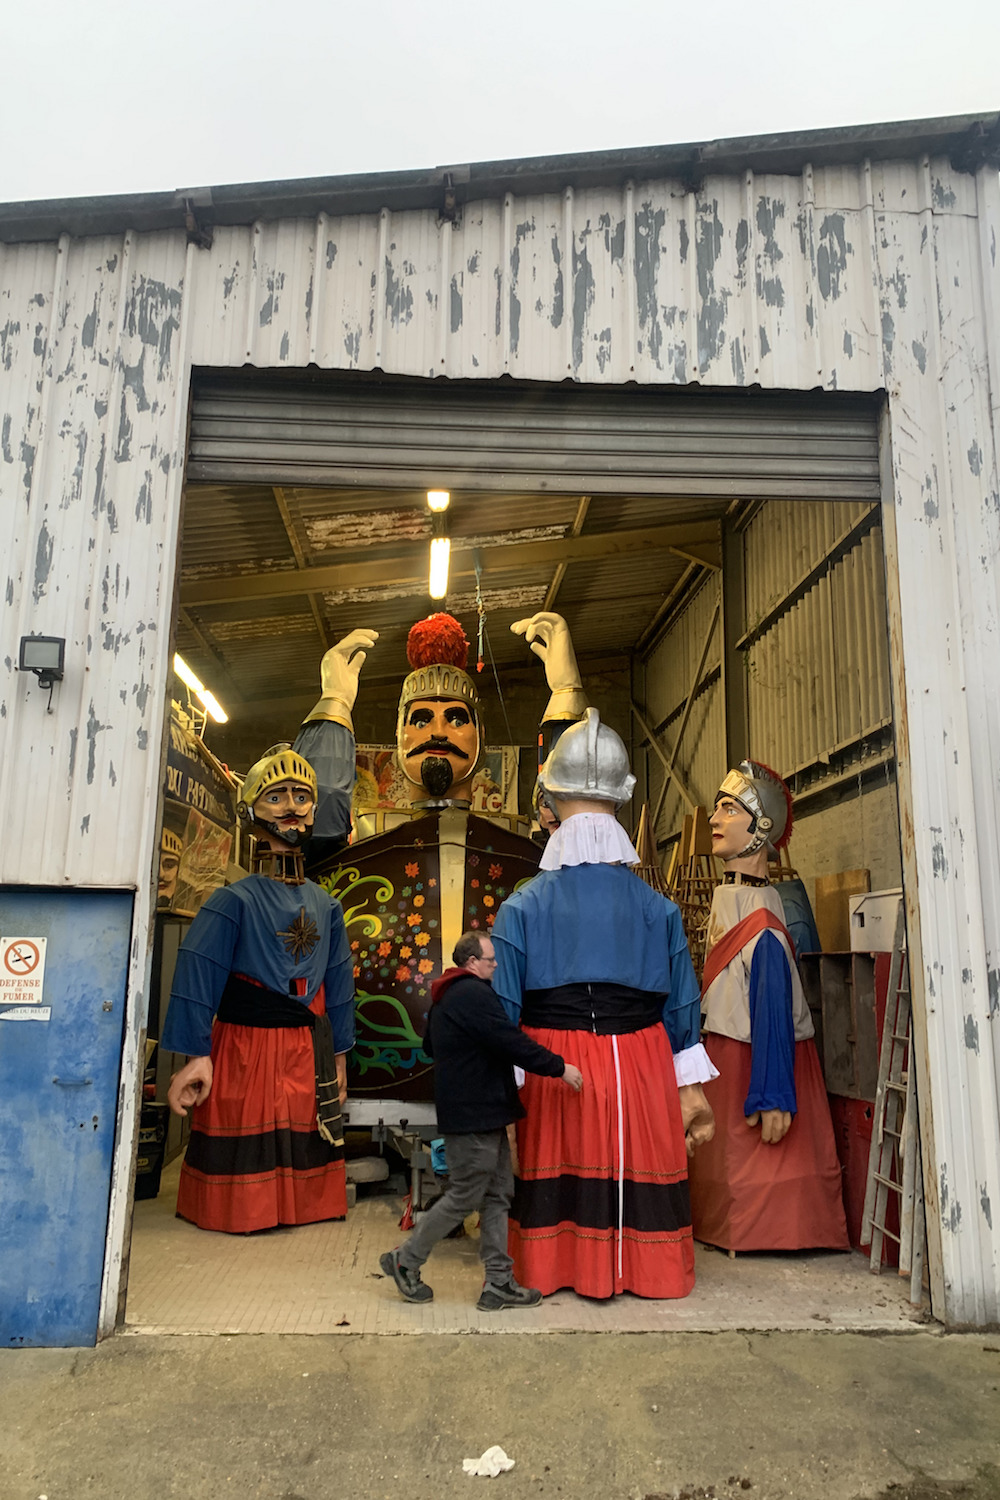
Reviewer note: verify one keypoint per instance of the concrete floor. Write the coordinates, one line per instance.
(778, 1416)
(325, 1279)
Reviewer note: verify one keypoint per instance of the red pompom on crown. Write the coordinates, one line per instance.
(437, 641)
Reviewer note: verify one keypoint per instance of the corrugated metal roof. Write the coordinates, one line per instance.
(969, 140)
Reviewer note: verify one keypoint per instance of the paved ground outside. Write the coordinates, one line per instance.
(768, 1416)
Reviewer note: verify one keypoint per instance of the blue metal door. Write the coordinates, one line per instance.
(58, 1093)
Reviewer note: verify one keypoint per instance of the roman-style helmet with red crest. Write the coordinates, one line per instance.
(766, 798)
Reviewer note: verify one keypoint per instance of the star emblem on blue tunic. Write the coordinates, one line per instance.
(300, 937)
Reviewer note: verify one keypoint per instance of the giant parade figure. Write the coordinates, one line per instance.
(420, 874)
(770, 1179)
(595, 965)
(267, 960)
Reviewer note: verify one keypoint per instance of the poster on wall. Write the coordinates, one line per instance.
(380, 785)
(199, 815)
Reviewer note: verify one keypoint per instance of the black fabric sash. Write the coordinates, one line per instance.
(605, 1009)
(244, 1003)
(592, 1203)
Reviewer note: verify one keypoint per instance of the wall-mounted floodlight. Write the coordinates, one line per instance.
(440, 557)
(43, 655)
(438, 500)
(208, 701)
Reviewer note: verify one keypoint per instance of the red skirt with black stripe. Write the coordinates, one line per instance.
(747, 1195)
(601, 1203)
(255, 1158)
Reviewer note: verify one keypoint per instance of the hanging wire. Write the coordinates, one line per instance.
(484, 641)
(496, 678)
(480, 609)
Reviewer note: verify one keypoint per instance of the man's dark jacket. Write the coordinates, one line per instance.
(474, 1047)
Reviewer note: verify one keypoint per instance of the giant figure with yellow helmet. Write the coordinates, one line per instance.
(267, 961)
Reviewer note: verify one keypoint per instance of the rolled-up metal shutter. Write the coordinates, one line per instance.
(564, 439)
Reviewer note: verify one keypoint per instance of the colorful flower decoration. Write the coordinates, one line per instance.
(496, 871)
(418, 900)
(425, 965)
(405, 951)
(384, 949)
(422, 939)
(413, 920)
(487, 900)
(412, 870)
(402, 974)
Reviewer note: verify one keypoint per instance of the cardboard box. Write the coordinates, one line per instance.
(873, 920)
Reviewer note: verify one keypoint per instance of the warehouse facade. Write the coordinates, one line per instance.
(843, 284)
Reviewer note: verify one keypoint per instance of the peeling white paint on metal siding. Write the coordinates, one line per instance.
(941, 528)
(91, 556)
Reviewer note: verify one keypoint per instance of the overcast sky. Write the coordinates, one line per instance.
(115, 96)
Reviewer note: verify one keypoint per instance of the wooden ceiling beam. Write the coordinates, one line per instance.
(689, 540)
(315, 603)
(560, 572)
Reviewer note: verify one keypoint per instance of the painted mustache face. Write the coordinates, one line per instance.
(442, 730)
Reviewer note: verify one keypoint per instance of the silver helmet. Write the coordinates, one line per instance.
(590, 761)
(766, 798)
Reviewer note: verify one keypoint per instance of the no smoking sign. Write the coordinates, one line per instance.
(22, 970)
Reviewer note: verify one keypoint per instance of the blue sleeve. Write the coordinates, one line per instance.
(338, 984)
(330, 750)
(204, 963)
(772, 1030)
(508, 944)
(682, 1007)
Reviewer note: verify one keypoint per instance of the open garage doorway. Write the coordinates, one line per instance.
(719, 563)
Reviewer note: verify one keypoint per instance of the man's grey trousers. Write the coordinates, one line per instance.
(479, 1177)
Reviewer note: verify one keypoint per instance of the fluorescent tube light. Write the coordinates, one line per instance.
(440, 556)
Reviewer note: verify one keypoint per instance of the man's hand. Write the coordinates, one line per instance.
(342, 1076)
(697, 1116)
(191, 1085)
(774, 1124)
(548, 636)
(573, 1077)
(342, 665)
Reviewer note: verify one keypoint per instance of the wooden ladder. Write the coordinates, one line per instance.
(894, 1159)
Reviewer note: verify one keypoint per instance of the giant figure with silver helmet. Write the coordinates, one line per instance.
(595, 963)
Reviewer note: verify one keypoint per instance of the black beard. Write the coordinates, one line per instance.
(436, 774)
(293, 837)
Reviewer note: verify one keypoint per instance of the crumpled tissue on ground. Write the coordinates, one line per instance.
(493, 1462)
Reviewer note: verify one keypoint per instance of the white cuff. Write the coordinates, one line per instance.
(518, 1076)
(694, 1065)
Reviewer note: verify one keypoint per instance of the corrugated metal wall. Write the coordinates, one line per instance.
(868, 277)
(816, 658)
(818, 676)
(668, 679)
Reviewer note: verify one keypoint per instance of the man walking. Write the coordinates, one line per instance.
(474, 1047)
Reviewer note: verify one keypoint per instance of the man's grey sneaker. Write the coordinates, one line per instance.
(510, 1294)
(409, 1283)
